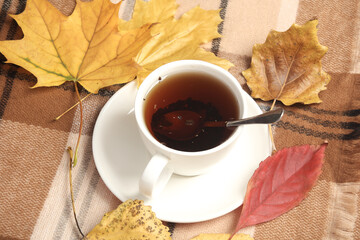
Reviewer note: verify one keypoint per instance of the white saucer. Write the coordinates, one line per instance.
(120, 158)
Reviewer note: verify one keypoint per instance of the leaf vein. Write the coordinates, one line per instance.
(288, 72)
(67, 78)
(89, 41)
(52, 40)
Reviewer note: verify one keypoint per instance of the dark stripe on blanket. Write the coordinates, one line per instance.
(11, 73)
(323, 135)
(216, 42)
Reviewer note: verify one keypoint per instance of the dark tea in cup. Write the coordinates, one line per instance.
(197, 92)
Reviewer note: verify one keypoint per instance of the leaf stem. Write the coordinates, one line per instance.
(80, 127)
(57, 118)
(270, 130)
(273, 104)
(72, 192)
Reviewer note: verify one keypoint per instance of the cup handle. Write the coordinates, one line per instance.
(155, 176)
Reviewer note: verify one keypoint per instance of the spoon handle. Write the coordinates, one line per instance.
(265, 118)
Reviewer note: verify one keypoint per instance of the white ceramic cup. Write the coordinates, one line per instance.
(166, 161)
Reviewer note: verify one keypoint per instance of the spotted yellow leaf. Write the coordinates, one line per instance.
(130, 221)
(287, 67)
(84, 47)
(220, 236)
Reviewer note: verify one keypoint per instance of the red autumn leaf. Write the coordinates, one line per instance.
(280, 183)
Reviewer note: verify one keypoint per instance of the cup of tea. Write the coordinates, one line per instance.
(171, 107)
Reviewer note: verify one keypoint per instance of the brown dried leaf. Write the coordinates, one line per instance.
(287, 66)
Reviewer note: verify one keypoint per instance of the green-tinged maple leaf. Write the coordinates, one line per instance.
(85, 47)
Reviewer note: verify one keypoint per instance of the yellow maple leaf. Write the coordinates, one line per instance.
(85, 47)
(174, 39)
(153, 11)
(131, 220)
(287, 66)
(221, 236)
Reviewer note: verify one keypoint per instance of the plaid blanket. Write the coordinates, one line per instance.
(34, 192)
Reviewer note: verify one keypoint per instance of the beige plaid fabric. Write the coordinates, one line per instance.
(34, 193)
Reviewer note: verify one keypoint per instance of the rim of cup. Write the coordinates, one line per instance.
(181, 66)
